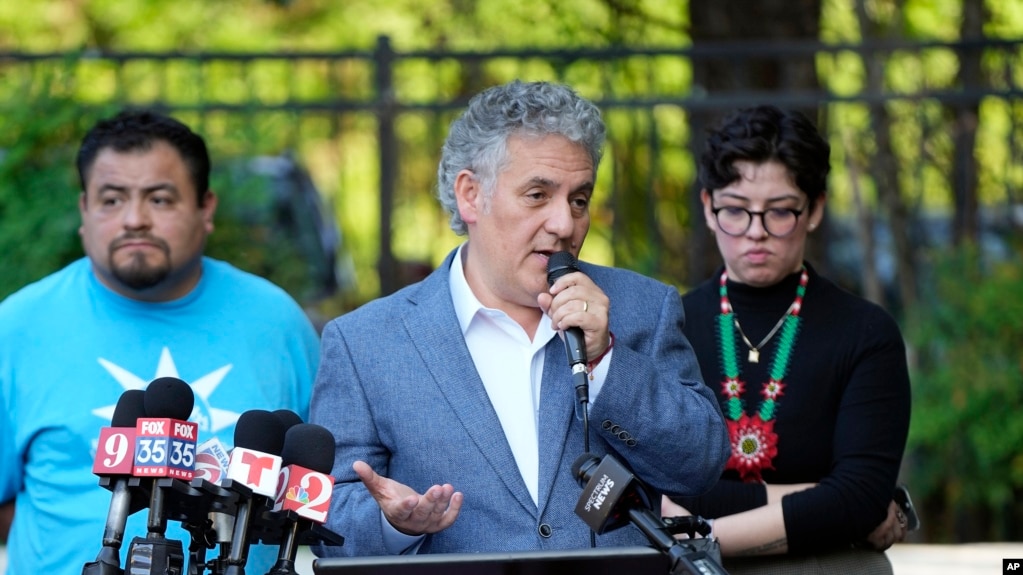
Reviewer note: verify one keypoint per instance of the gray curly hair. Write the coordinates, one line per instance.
(477, 140)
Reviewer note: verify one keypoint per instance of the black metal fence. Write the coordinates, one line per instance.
(371, 122)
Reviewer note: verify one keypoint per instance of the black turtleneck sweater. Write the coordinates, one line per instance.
(844, 416)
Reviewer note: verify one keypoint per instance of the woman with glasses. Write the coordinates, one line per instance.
(812, 380)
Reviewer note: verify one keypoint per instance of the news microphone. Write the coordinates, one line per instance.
(255, 460)
(165, 442)
(305, 487)
(558, 265)
(211, 459)
(113, 463)
(613, 497)
(254, 465)
(164, 449)
(288, 418)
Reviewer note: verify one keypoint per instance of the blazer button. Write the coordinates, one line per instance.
(545, 530)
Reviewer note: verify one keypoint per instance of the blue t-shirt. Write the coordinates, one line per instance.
(69, 347)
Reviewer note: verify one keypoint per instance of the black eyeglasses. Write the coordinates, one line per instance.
(735, 221)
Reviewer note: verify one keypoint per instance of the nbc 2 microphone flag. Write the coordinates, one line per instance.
(304, 491)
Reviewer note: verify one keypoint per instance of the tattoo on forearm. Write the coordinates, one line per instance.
(765, 548)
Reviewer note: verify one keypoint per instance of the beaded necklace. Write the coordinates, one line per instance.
(754, 443)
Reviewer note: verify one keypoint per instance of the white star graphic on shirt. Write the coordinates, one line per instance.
(210, 419)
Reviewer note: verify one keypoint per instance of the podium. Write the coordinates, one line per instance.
(599, 561)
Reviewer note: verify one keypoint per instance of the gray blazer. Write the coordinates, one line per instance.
(399, 390)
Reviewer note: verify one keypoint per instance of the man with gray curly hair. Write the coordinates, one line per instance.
(452, 401)
(478, 140)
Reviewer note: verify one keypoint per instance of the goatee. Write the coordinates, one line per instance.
(139, 275)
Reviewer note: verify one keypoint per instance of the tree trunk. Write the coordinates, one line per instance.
(964, 165)
(885, 168)
(870, 283)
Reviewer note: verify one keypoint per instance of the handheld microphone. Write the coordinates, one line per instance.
(254, 465)
(558, 265)
(211, 462)
(211, 459)
(288, 418)
(305, 487)
(613, 497)
(610, 491)
(305, 484)
(113, 463)
(256, 458)
(165, 442)
(164, 448)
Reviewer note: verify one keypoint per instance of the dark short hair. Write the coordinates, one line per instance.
(763, 134)
(138, 130)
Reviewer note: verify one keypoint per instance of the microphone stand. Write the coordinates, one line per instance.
(285, 564)
(201, 537)
(613, 497)
(684, 558)
(102, 565)
(155, 554)
(286, 560)
(108, 560)
(217, 503)
(295, 532)
(249, 506)
(201, 527)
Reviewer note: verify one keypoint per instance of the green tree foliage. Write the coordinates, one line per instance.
(38, 185)
(262, 25)
(964, 447)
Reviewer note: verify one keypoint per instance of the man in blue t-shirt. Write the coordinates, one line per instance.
(144, 303)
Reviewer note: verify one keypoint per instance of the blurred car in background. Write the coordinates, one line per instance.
(273, 221)
(929, 234)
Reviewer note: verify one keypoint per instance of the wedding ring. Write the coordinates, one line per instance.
(586, 306)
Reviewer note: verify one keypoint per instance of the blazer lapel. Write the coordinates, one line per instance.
(557, 410)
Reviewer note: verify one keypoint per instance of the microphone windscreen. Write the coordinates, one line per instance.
(169, 397)
(309, 445)
(259, 430)
(583, 467)
(559, 264)
(130, 407)
(288, 418)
